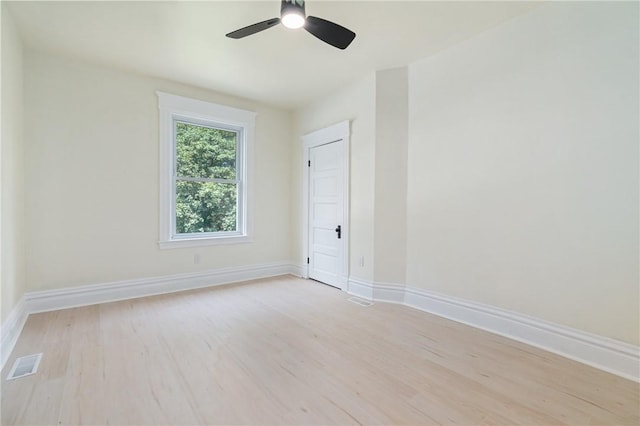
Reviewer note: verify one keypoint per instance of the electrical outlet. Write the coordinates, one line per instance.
(196, 259)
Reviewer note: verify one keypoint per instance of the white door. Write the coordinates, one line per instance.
(326, 211)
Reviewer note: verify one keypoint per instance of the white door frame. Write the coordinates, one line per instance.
(334, 133)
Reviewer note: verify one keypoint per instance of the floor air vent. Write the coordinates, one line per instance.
(24, 366)
(360, 302)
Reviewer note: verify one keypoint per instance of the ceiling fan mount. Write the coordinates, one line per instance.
(293, 15)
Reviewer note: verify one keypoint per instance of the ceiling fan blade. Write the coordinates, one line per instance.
(334, 34)
(255, 28)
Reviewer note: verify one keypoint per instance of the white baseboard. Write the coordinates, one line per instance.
(381, 292)
(52, 300)
(11, 329)
(360, 288)
(388, 292)
(610, 355)
(298, 270)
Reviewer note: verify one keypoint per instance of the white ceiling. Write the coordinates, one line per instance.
(185, 41)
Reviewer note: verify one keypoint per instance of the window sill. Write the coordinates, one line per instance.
(199, 242)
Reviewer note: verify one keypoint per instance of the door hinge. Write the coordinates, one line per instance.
(309, 164)
(307, 260)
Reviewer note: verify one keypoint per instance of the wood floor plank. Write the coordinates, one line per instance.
(291, 351)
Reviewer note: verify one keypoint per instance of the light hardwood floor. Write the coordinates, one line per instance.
(292, 351)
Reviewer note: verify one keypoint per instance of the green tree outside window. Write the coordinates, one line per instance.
(206, 179)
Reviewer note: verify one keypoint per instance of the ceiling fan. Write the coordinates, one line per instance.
(292, 15)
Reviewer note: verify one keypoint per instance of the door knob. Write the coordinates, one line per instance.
(339, 231)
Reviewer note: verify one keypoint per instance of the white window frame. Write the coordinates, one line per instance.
(192, 111)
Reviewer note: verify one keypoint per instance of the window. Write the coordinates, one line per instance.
(203, 172)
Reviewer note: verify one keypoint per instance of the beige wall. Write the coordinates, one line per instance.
(12, 225)
(357, 104)
(391, 176)
(523, 168)
(92, 178)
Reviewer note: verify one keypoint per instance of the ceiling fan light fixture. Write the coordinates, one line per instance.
(293, 19)
(293, 15)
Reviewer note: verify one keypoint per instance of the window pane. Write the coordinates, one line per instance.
(203, 152)
(205, 207)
